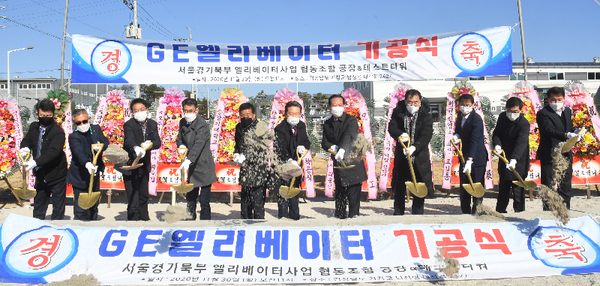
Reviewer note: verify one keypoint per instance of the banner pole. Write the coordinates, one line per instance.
(522, 41)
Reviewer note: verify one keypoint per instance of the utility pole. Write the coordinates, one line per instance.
(133, 31)
(194, 94)
(522, 41)
(62, 57)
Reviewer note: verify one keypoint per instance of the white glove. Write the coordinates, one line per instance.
(146, 144)
(301, 150)
(577, 130)
(24, 151)
(334, 148)
(571, 135)
(294, 163)
(512, 164)
(498, 148)
(340, 155)
(138, 150)
(467, 166)
(30, 165)
(455, 138)
(411, 150)
(404, 137)
(91, 168)
(185, 165)
(96, 148)
(182, 147)
(239, 158)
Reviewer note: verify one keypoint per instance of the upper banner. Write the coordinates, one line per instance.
(484, 52)
(33, 251)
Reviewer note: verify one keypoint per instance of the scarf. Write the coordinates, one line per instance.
(410, 128)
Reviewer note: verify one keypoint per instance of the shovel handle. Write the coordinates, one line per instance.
(95, 156)
(458, 150)
(182, 153)
(341, 161)
(505, 160)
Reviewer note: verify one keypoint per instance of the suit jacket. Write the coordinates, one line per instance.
(422, 137)
(52, 161)
(286, 143)
(473, 140)
(513, 137)
(78, 176)
(552, 131)
(135, 137)
(343, 133)
(196, 137)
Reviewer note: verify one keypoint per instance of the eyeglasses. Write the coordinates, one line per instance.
(81, 122)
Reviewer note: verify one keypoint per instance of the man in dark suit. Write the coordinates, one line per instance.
(139, 132)
(45, 141)
(469, 128)
(411, 119)
(512, 135)
(340, 132)
(194, 134)
(555, 125)
(291, 137)
(81, 168)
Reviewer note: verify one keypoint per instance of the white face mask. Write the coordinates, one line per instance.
(189, 117)
(466, 109)
(557, 106)
(512, 116)
(140, 116)
(412, 109)
(337, 111)
(293, 120)
(83, 128)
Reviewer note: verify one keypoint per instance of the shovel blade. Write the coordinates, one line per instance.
(417, 189)
(183, 189)
(25, 194)
(132, 167)
(475, 189)
(288, 192)
(528, 185)
(569, 145)
(88, 200)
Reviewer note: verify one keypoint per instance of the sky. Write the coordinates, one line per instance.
(555, 30)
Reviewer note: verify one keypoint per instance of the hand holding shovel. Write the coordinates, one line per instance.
(572, 141)
(343, 167)
(135, 164)
(183, 188)
(527, 185)
(290, 192)
(24, 193)
(418, 189)
(475, 189)
(88, 200)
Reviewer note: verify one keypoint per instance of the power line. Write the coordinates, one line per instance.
(35, 29)
(21, 72)
(144, 9)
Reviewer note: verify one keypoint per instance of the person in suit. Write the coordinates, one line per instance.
(411, 119)
(512, 135)
(291, 137)
(555, 125)
(340, 131)
(81, 168)
(139, 131)
(255, 171)
(194, 134)
(469, 128)
(45, 141)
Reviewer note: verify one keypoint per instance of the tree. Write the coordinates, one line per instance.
(490, 119)
(151, 92)
(262, 104)
(128, 89)
(321, 102)
(25, 115)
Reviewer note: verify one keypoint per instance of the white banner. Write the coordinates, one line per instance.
(34, 251)
(483, 52)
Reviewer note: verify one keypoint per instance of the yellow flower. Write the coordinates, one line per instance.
(588, 138)
(230, 125)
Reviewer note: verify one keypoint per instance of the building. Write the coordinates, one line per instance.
(542, 75)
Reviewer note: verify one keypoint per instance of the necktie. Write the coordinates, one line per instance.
(295, 132)
(39, 145)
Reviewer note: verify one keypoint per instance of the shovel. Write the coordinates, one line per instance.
(290, 192)
(88, 200)
(571, 142)
(418, 189)
(343, 166)
(24, 193)
(183, 188)
(528, 185)
(475, 189)
(135, 164)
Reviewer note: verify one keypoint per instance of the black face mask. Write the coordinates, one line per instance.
(45, 121)
(246, 121)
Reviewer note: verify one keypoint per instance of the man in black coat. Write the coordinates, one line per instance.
(45, 140)
(291, 137)
(81, 168)
(139, 130)
(512, 135)
(411, 119)
(340, 132)
(194, 134)
(469, 128)
(255, 171)
(555, 125)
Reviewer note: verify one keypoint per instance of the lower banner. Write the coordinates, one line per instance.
(34, 251)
